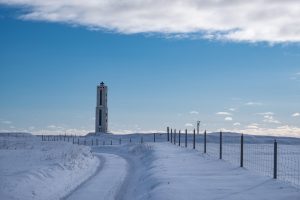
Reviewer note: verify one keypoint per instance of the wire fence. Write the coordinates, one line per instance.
(278, 158)
(274, 157)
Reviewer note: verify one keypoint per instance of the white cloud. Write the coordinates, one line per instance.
(232, 109)
(51, 126)
(270, 119)
(193, 112)
(6, 122)
(237, 124)
(285, 130)
(223, 113)
(266, 113)
(295, 77)
(228, 119)
(253, 126)
(189, 125)
(235, 20)
(296, 115)
(253, 103)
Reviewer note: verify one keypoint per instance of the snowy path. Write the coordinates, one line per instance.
(106, 183)
(164, 171)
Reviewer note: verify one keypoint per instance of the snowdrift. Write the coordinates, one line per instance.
(32, 169)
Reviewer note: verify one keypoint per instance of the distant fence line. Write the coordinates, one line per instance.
(268, 157)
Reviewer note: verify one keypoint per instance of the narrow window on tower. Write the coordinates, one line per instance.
(100, 97)
(100, 117)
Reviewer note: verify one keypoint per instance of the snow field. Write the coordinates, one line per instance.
(32, 169)
(179, 173)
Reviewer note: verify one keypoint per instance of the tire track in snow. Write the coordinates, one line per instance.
(99, 168)
(106, 183)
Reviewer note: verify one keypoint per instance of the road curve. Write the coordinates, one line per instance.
(106, 182)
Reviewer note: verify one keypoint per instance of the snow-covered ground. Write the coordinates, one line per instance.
(133, 168)
(170, 172)
(32, 169)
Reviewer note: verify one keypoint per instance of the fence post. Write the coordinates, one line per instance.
(78, 141)
(242, 150)
(130, 140)
(168, 133)
(120, 141)
(179, 138)
(185, 138)
(175, 136)
(171, 136)
(110, 142)
(275, 160)
(194, 139)
(220, 144)
(142, 140)
(153, 137)
(205, 141)
(92, 142)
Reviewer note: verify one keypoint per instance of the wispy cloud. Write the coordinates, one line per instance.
(238, 20)
(194, 112)
(296, 76)
(265, 113)
(189, 125)
(253, 126)
(223, 113)
(6, 122)
(284, 130)
(270, 119)
(296, 114)
(228, 118)
(236, 124)
(251, 103)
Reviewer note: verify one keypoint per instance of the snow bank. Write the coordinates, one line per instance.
(178, 173)
(32, 169)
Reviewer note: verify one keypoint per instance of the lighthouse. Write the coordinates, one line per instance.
(101, 109)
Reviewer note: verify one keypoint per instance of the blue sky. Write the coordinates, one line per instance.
(49, 71)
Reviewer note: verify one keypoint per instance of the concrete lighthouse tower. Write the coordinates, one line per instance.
(101, 109)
